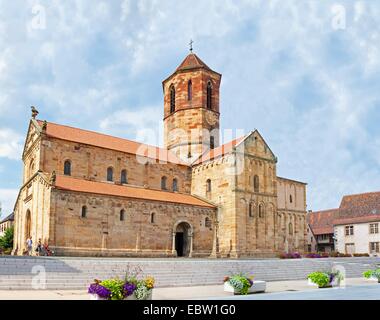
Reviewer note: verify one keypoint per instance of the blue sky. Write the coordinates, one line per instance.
(306, 74)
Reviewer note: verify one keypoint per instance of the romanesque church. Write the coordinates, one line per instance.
(90, 194)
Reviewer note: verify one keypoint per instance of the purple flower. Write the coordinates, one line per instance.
(96, 288)
(129, 288)
(250, 282)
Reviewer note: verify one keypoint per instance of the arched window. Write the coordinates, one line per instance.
(208, 185)
(123, 176)
(175, 185)
(84, 212)
(290, 228)
(122, 215)
(291, 199)
(256, 183)
(212, 142)
(250, 210)
(109, 174)
(208, 222)
(67, 168)
(189, 90)
(172, 99)
(163, 183)
(209, 95)
(28, 224)
(261, 211)
(152, 217)
(31, 168)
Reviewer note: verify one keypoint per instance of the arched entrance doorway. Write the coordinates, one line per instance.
(183, 239)
(28, 225)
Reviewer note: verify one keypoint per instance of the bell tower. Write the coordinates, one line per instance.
(191, 109)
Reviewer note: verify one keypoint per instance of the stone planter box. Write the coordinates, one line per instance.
(96, 297)
(334, 284)
(258, 286)
(131, 297)
(373, 279)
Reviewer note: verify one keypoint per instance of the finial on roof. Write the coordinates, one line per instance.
(191, 45)
(44, 125)
(53, 177)
(34, 112)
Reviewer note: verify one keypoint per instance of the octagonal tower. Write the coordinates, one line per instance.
(191, 109)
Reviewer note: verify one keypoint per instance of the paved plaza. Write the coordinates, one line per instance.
(364, 292)
(356, 288)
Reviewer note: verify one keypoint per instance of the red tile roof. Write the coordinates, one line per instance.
(109, 142)
(110, 189)
(219, 151)
(192, 61)
(357, 205)
(361, 219)
(321, 222)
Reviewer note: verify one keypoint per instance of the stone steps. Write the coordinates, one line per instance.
(77, 273)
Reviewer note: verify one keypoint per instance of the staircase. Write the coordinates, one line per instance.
(77, 273)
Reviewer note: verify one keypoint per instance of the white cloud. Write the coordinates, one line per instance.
(143, 125)
(7, 199)
(10, 144)
(93, 60)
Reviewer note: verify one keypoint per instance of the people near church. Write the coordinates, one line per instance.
(29, 246)
(39, 247)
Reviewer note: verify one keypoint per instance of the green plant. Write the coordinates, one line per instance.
(372, 274)
(116, 287)
(240, 283)
(321, 279)
(6, 241)
(142, 291)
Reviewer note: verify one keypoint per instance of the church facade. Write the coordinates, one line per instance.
(90, 194)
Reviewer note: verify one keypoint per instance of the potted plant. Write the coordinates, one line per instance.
(131, 288)
(241, 284)
(326, 279)
(372, 274)
(98, 292)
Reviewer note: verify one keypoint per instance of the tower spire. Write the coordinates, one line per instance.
(191, 45)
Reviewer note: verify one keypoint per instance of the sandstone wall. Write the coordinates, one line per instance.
(291, 203)
(191, 122)
(220, 172)
(34, 200)
(102, 232)
(89, 162)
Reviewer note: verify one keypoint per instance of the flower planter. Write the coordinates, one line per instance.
(334, 284)
(258, 286)
(96, 297)
(373, 279)
(133, 296)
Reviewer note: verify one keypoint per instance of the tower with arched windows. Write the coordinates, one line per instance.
(191, 109)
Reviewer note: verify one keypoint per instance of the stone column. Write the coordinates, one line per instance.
(191, 244)
(174, 253)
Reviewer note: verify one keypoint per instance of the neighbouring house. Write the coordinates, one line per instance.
(357, 227)
(321, 230)
(6, 223)
(353, 228)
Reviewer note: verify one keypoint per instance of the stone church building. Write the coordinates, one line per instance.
(90, 194)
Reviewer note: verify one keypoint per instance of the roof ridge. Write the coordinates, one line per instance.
(360, 194)
(325, 210)
(103, 134)
(111, 189)
(107, 141)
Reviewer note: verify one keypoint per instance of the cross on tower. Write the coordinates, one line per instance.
(191, 45)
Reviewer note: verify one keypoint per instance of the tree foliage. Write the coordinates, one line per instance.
(6, 241)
